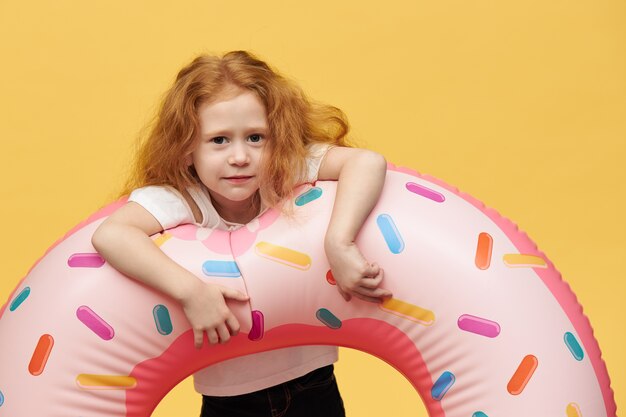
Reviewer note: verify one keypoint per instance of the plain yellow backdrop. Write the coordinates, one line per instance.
(521, 104)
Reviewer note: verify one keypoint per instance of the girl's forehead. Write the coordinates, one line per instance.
(229, 93)
(239, 108)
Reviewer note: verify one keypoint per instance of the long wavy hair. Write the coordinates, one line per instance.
(294, 121)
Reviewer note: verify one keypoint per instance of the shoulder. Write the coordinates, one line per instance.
(155, 193)
(168, 205)
(317, 150)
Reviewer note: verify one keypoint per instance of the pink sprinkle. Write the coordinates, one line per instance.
(256, 333)
(478, 325)
(85, 260)
(425, 192)
(95, 323)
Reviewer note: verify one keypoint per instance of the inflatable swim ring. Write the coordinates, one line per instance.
(481, 323)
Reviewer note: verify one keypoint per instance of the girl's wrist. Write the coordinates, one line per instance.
(332, 241)
(187, 286)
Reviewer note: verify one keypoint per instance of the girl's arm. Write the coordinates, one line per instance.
(123, 241)
(361, 175)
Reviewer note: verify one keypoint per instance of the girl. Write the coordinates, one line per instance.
(231, 139)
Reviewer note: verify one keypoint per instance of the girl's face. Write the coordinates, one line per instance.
(227, 158)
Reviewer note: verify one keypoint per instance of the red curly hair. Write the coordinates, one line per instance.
(294, 121)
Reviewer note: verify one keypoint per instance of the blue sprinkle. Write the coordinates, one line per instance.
(328, 318)
(162, 319)
(572, 344)
(311, 195)
(17, 301)
(226, 269)
(1, 398)
(479, 414)
(443, 384)
(390, 233)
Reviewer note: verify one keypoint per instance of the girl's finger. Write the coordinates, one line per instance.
(223, 333)
(344, 294)
(373, 293)
(212, 335)
(372, 282)
(372, 270)
(198, 338)
(233, 325)
(368, 299)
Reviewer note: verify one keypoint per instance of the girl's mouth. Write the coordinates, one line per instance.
(239, 179)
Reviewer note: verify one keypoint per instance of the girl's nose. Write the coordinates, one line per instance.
(239, 154)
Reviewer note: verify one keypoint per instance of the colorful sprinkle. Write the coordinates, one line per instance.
(518, 260)
(479, 414)
(572, 344)
(328, 318)
(19, 299)
(425, 192)
(162, 319)
(162, 238)
(1, 398)
(283, 255)
(310, 195)
(478, 325)
(91, 381)
(85, 260)
(330, 278)
(522, 375)
(483, 250)
(224, 269)
(408, 311)
(443, 384)
(95, 323)
(573, 410)
(390, 233)
(40, 355)
(258, 326)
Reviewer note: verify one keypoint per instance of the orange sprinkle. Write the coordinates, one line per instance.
(41, 354)
(483, 250)
(522, 375)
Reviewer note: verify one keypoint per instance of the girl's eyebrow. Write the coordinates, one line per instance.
(226, 132)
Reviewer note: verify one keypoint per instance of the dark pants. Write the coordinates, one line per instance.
(312, 395)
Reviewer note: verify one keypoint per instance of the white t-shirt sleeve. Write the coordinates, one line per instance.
(317, 152)
(166, 204)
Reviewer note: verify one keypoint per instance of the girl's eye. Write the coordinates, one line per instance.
(255, 138)
(218, 140)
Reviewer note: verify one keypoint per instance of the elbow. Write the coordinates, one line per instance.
(100, 238)
(374, 161)
(96, 239)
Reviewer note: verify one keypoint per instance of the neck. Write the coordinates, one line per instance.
(238, 211)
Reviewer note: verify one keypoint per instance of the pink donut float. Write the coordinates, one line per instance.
(481, 323)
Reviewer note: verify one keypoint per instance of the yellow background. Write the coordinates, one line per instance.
(521, 104)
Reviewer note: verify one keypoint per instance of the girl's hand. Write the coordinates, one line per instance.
(354, 275)
(206, 310)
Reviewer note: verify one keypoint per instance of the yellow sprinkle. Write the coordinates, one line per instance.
(408, 311)
(573, 410)
(164, 237)
(91, 381)
(519, 260)
(283, 255)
